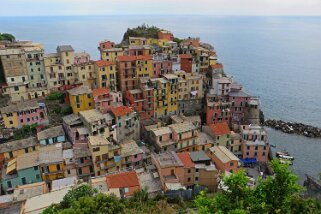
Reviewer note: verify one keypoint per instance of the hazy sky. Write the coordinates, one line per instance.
(208, 7)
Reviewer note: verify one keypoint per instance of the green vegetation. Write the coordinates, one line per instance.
(141, 31)
(84, 199)
(7, 36)
(276, 194)
(55, 96)
(26, 131)
(178, 40)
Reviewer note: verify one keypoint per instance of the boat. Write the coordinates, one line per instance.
(287, 157)
(277, 154)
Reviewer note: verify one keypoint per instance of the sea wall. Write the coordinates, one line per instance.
(294, 128)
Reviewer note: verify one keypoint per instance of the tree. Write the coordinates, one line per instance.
(7, 36)
(76, 193)
(276, 194)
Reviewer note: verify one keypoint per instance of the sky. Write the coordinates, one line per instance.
(178, 7)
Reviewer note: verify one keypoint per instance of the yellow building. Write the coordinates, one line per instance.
(18, 147)
(105, 155)
(106, 75)
(111, 54)
(144, 66)
(80, 99)
(51, 163)
(165, 95)
(137, 41)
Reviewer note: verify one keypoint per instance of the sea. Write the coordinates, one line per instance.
(275, 58)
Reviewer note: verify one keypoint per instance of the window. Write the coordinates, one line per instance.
(26, 150)
(9, 184)
(35, 168)
(16, 88)
(89, 104)
(58, 167)
(78, 105)
(189, 171)
(188, 179)
(231, 164)
(68, 171)
(160, 138)
(196, 178)
(80, 171)
(23, 180)
(263, 153)
(10, 154)
(255, 154)
(119, 124)
(37, 176)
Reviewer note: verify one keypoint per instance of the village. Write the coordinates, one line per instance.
(157, 113)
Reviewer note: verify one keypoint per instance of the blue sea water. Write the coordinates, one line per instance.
(276, 58)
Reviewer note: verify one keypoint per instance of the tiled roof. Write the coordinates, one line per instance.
(220, 129)
(186, 159)
(80, 90)
(50, 154)
(223, 154)
(18, 144)
(20, 106)
(101, 63)
(217, 66)
(100, 91)
(121, 110)
(64, 48)
(27, 160)
(185, 56)
(122, 180)
(91, 115)
(51, 132)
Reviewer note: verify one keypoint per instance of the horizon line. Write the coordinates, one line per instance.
(134, 14)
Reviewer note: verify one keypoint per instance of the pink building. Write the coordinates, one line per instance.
(239, 102)
(76, 132)
(102, 99)
(81, 58)
(218, 110)
(255, 143)
(170, 168)
(27, 113)
(161, 65)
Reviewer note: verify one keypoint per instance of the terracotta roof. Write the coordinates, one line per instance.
(121, 110)
(186, 159)
(101, 63)
(122, 180)
(185, 56)
(217, 66)
(220, 129)
(145, 57)
(100, 91)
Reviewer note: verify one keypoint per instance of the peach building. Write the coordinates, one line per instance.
(224, 160)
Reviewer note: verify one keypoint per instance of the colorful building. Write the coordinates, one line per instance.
(21, 170)
(161, 65)
(224, 160)
(217, 110)
(239, 102)
(165, 35)
(132, 155)
(126, 183)
(80, 99)
(15, 148)
(105, 155)
(75, 130)
(106, 75)
(95, 122)
(51, 135)
(186, 62)
(16, 115)
(127, 123)
(220, 132)
(142, 100)
(131, 68)
(84, 69)
(255, 143)
(83, 163)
